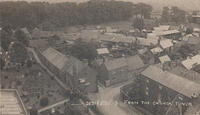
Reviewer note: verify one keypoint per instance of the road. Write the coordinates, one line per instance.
(111, 105)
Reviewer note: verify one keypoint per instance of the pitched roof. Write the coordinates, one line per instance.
(11, 103)
(117, 38)
(147, 42)
(55, 57)
(166, 43)
(164, 59)
(134, 62)
(174, 82)
(115, 64)
(191, 62)
(168, 32)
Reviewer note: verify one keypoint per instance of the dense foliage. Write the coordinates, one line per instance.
(21, 14)
(174, 14)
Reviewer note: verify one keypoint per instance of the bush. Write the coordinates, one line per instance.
(44, 101)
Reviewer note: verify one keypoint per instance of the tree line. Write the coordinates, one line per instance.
(33, 14)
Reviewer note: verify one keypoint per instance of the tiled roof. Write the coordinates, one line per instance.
(172, 81)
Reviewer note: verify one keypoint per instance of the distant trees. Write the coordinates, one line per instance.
(5, 37)
(144, 10)
(165, 15)
(20, 14)
(173, 15)
(138, 23)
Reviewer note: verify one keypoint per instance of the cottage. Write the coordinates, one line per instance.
(196, 19)
(70, 70)
(156, 50)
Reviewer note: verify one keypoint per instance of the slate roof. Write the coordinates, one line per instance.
(134, 62)
(55, 57)
(172, 81)
(115, 64)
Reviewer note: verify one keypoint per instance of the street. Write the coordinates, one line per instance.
(109, 102)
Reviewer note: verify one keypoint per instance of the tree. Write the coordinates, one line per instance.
(44, 101)
(5, 35)
(144, 10)
(21, 37)
(189, 30)
(177, 15)
(2, 63)
(18, 53)
(84, 50)
(138, 23)
(165, 15)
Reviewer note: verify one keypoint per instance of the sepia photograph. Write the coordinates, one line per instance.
(99, 57)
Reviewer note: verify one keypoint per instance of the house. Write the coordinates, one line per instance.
(11, 103)
(119, 70)
(191, 62)
(70, 70)
(162, 90)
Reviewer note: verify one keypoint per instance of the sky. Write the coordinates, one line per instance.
(157, 4)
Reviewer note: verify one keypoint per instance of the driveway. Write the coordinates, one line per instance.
(110, 103)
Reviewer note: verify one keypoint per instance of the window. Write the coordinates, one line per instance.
(147, 81)
(147, 88)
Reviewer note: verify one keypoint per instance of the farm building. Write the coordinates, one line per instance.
(70, 70)
(121, 69)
